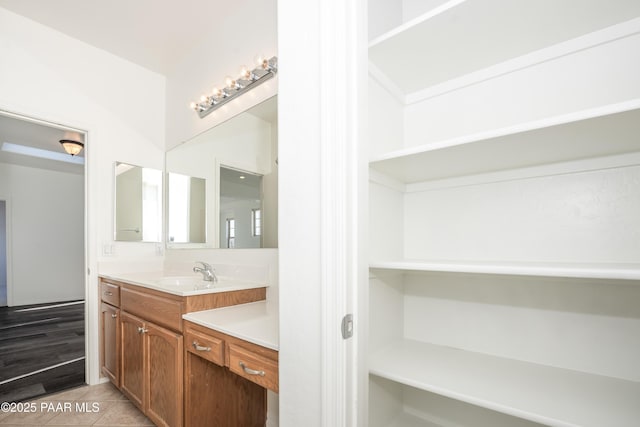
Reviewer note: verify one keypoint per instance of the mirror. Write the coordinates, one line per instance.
(235, 166)
(138, 204)
(186, 200)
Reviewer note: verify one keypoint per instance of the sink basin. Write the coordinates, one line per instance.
(192, 282)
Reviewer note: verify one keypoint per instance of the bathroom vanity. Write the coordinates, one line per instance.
(234, 349)
(148, 351)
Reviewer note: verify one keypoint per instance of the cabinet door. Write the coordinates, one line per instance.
(164, 351)
(216, 397)
(110, 343)
(132, 357)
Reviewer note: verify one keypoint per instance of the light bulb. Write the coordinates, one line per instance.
(203, 98)
(260, 60)
(216, 93)
(245, 73)
(193, 105)
(230, 82)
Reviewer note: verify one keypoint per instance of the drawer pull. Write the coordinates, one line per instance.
(113, 316)
(250, 371)
(142, 330)
(200, 347)
(108, 293)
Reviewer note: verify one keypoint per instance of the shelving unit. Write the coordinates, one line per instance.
(572, 172)
(543, 394)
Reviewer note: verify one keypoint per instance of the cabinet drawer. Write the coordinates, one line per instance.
(110, 293)
(207, 347)
(254, 367)
(159, 310)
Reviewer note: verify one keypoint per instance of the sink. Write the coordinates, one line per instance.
(191, 282)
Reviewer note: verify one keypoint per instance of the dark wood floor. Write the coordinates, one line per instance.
(41, 350)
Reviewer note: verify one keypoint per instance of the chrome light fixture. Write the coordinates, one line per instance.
(72, 147)
(236, 86)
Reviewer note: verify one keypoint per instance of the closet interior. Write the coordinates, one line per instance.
(504, 213)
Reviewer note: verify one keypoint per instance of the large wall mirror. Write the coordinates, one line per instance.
(138, 204)
(222, 185)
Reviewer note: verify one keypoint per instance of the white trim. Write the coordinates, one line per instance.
(335, 118)
(48, 368)
(46, 307)
(7, 200)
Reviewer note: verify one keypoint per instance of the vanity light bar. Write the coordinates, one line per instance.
(234, 87)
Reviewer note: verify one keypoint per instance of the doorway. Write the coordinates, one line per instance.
(42, 258)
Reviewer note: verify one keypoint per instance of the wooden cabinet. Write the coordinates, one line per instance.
(226, 379)
(132, 359)
(152, 369)
(142, 350)
(110, 342)
(110, 331)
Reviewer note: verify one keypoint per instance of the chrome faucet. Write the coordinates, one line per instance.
(208, 273)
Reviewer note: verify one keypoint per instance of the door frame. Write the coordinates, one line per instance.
(7, 207)
(91, 308)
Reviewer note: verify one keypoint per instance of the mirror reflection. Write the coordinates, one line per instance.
(236, 212)
(138, 203)
(187, 209)
(240, 209)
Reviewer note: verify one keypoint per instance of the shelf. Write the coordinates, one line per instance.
(459, 37)
(570, 270)
(543, 394)
(582, 135)
(408, 420)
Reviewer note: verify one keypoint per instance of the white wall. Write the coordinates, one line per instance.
(50, 76)
(47, 251)
(234, 40)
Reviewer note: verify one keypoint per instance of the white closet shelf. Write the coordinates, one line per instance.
(598, 132)
(543, 394)
(572, 270)
(407, 420)
(459, 37)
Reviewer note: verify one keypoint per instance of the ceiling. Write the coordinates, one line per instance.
(152, 33)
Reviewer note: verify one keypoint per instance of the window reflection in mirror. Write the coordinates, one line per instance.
(246, 143)
(138, 203)
(187, 209)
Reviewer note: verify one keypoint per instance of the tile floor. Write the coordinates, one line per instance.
(98, 405)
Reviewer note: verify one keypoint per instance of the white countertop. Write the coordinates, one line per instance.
(183, 285)
(256, 322)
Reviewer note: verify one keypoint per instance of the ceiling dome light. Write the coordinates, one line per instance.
(72, 147)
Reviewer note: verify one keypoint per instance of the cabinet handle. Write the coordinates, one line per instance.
(199, 347)
(250, 371)
(113, 316)
(108, 293)
(142, 330)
